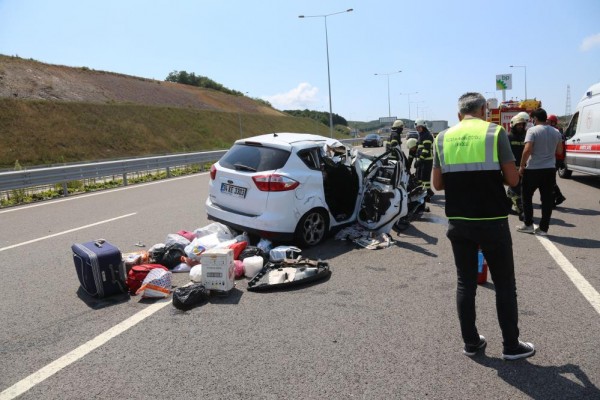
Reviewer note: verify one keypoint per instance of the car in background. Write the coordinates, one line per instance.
(296, 187)
(372, 140)
(412, 134)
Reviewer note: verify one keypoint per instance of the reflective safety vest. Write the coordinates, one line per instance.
(468, 158)
(471, 145)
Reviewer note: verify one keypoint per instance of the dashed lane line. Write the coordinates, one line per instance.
(41, 375)
(64, 232)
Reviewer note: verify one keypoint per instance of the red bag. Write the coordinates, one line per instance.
(238, 248)
(187, 234)
(137, 274)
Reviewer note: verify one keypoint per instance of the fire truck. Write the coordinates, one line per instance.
(503, 113)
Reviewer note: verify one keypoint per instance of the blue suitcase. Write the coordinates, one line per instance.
(99, 267)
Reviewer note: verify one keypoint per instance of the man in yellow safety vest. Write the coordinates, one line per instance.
(472, 163)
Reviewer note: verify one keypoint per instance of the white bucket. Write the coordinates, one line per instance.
(252, 266)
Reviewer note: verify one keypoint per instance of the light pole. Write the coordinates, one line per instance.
(417, 103)
(388, 87)
(327, 50)
(408, 95)
(525, 68)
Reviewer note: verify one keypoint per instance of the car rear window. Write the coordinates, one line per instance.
(254, 158)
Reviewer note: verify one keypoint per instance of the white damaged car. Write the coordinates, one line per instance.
(297, 187)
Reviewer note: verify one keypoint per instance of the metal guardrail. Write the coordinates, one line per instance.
(54, 175)
(10, 180)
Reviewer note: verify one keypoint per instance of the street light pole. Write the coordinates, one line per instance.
(408, 95)
(388, 87)
(327, 51)
(417, 103)
(525, 68)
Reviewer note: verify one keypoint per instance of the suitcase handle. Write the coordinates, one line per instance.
(99, 242)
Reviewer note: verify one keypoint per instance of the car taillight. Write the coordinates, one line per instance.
(274, 183)
(213, 172)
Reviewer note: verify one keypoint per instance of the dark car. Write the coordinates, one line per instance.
(373, 140)
(412, 134)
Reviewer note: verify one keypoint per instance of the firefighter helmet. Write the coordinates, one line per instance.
(398, 124)
(525, 116)
(518, 119)
(552, 119)
(410, 143)
(420, 122)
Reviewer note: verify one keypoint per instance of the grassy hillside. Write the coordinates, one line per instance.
(53, 114)
(37, 132)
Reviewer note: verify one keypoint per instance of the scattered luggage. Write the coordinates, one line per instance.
(189, 296)
(137, 274)
(289, 273)
(100, 268)
(156, 285)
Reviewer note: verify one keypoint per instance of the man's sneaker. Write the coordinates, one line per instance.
(472, 349)
(523, 350)
(559, 200)
(537, 231)
(526, 228)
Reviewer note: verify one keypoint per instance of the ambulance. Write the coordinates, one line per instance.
(583, 136)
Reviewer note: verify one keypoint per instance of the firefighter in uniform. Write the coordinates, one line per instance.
(397, 128)
(516, 137)
(424, 161)
(472, 161)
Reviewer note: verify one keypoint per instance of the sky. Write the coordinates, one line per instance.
(261, 48)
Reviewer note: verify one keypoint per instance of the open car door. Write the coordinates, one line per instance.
(384, 192)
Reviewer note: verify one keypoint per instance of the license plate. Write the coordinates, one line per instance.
(233, 190)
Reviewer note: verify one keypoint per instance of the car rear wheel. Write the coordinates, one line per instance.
(312, 228)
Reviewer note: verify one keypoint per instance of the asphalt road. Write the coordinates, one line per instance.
(383, 326)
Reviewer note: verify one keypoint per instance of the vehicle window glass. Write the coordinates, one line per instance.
(572, 128)
(310, 157)
(254, 158)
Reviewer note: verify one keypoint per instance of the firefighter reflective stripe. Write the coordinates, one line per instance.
(424, 150)
(471, 145)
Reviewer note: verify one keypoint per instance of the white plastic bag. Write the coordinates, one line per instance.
(196, 273)
(222, 231)
(281, 252)
(176, 239)
(156, 285)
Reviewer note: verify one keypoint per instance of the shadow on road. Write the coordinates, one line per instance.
(576, 242)
(97, 304)
(568, 381)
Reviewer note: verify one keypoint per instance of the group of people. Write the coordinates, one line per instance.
(519, 125)
(472, 162)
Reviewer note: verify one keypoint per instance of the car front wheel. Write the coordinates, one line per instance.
(312, 228)
(563, 172)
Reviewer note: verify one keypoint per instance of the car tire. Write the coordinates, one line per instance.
(312, 228)
(564, 173)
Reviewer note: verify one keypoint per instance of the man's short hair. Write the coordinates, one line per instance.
(470, 103)
(539, 114)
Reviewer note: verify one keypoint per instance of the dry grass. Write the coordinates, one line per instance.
(53, 114)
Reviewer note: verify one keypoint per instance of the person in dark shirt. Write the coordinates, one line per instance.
(516, 137)
(560, 159)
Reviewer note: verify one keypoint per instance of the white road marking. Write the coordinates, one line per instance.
(83, 196)
(64, 232)
(587, 290)
(39, 376)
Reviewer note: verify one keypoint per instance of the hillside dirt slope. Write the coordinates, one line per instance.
(32, 80)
